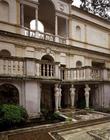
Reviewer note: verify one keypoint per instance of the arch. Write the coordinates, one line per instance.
(9, 94)
(47, 68)
(40, 26)
(78, 32)
(4, 14)
(5, 53)
(46, 14)
(47, 58)
(78, 64)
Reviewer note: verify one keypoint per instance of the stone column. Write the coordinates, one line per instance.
(87, 89)
(56, 97)
(59, 101)
(72, 95)
(36, 17)
(56, 25)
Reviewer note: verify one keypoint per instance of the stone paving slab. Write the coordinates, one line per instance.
(96, 132)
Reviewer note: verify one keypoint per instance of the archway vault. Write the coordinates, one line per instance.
(9, 94)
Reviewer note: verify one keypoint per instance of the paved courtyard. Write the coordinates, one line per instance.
(96, 132)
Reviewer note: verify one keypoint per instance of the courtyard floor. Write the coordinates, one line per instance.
(83, 125)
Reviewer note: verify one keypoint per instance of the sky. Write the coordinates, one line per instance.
(76, 3)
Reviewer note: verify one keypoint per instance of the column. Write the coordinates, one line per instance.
(36, 17)
(60, 95)
(72, 95)
(56, 97)
(56, 25)
(87, 89)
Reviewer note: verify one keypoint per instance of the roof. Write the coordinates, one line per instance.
(67, 1)
(90, 14)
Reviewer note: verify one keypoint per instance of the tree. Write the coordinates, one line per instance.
(97, 7)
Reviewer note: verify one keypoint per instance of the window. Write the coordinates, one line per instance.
(78, 64)
(5, 53)
(4, 11)
(78, 32)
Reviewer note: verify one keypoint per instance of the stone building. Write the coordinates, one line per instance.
(53, 55)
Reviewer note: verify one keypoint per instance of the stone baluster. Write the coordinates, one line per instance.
(72, 95)
(87, 94)
(48, 74)
(51, 70)
(44, 66)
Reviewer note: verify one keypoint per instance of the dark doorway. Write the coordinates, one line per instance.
(9, 94)
(65, 100)
(98, 64)
(80, 100)
(47, 97)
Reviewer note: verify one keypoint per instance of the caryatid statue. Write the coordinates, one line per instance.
(56, 97)
(87, 89)
(60, 95)
(72, 95)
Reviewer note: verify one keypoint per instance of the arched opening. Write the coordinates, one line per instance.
(48, 71)
(4, 11)
(5, 53)
(9, 94)
(47, 66)
(78, 32)
(46, 14)
(78, 64)
(40, 26)
(47, 58)
(80, 97)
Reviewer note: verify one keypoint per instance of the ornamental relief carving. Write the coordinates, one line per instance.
(63, 7)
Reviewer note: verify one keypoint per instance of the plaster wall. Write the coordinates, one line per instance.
(32, 97)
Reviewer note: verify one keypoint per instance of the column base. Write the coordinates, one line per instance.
(57, 111)
(87, 108)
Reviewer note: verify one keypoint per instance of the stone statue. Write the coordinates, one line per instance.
(56, 96)
(60, 95)
(72, 95)
(87, 89)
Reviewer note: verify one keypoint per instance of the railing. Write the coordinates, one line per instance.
(26, 67)
(31, 33)
(43, 35)
(11, 67)
(81, 74)
(17, 67)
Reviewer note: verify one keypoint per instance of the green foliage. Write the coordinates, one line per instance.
(97, 7)
(11, 115)
(50, 116)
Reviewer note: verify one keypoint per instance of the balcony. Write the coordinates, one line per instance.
(4, 26)
(32, 68)
(85, 74)
(28, 68)
(42, 35)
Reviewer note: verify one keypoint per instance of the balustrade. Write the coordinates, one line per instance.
(11, 67)
(47, 70)
(21, 67)
(43, 35)
(85, 73)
